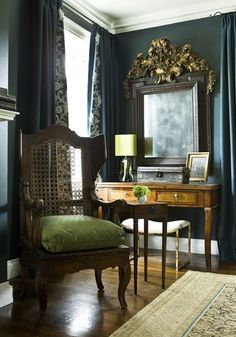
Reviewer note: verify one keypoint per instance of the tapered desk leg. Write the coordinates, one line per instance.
(218, 216)
(208, 226)
(135, 254)
(145, 248)
(164, 238)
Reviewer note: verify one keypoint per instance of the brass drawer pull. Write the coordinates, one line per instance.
(176, 197)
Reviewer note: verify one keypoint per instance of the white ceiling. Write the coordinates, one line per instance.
(127, 15)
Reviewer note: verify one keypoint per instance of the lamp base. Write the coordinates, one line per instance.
(126, 170)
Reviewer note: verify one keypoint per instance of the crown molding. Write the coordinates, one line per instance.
(161, 18)
(167, 17)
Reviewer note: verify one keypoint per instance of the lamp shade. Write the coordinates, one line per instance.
(125, 145)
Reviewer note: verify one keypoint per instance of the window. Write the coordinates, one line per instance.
(76, 63)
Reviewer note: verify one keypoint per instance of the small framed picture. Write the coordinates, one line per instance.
(197, 162)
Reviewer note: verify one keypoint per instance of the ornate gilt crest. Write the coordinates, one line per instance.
(165, 62)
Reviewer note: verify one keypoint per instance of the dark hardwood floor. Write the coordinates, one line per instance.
(76, 308)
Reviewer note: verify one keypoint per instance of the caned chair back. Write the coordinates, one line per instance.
(60, 168)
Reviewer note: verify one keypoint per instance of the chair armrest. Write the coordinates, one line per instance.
(32, 210)
(116, 206)
(100, 202)
(34, 205)
(28, 202)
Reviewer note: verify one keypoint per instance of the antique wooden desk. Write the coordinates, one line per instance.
(205, 196)
(146, 211)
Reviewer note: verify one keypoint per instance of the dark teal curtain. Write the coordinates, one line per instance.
(40, 78)
(227, 230)
(40, 24)
(103, 92)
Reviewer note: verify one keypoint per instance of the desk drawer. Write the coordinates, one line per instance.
(121, 194)
(127, 194)
(178, 198)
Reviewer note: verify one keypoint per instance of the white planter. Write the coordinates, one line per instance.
(142, 199)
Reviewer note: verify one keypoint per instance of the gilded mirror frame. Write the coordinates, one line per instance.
(168, 68)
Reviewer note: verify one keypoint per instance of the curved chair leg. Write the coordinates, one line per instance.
(40, 284)
(124, 278)
(24, 272)
(98, 277)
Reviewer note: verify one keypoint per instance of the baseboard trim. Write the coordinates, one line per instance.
(6, 296)
(13, 268)
(155, 242)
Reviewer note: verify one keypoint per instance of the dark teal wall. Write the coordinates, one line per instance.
(13, 132)
(4, 33)
(3, 202)
(9, 238)
(204, 36)
(4, 38)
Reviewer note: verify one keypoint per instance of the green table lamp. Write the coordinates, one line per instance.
(126, 145)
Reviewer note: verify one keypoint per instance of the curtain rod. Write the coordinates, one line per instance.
(75, 10)
(218, 13)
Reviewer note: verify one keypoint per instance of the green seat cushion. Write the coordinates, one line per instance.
(68, 233)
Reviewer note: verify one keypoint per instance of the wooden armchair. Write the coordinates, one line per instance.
(60, 228)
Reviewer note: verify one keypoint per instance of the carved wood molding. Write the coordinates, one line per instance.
(7, 115)
(165, 62)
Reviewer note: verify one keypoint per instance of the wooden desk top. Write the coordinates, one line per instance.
(178, 195)
(167, 186)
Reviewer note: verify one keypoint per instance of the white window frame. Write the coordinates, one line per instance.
(82, 33)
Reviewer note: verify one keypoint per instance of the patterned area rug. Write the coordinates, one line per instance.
(197, 305)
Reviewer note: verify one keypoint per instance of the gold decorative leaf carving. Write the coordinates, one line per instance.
(165, 62)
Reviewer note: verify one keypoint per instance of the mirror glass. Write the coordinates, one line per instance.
(170, 119)
(169, 124)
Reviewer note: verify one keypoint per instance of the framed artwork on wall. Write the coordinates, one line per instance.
(197, 162)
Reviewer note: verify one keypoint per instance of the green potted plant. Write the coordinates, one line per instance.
(141, 192)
